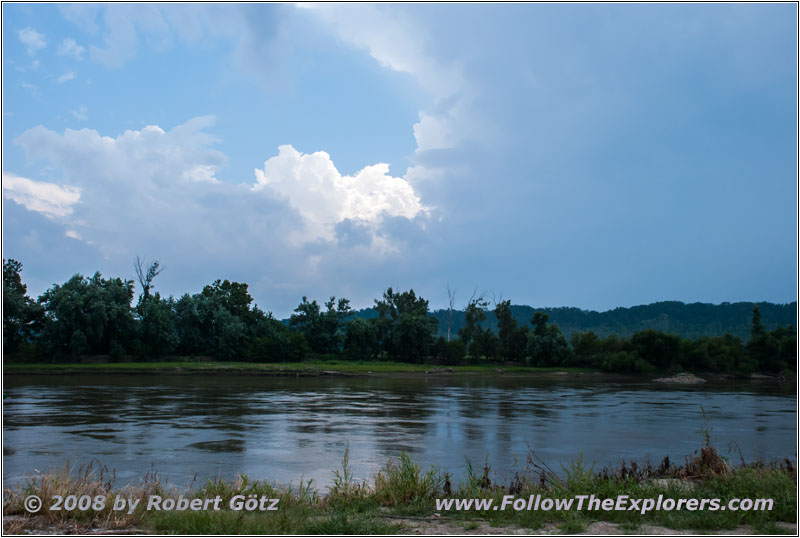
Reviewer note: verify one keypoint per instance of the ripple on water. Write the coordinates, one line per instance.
(225, 445)
(301, 427)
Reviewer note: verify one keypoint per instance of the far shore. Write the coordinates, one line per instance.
(310, 368)
(333, 368)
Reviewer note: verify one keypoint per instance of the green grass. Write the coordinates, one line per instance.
(308, 367)
(401, 489)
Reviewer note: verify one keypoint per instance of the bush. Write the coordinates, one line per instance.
(452, 352)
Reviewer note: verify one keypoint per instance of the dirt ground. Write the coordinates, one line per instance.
(437, 526)
(20, 525)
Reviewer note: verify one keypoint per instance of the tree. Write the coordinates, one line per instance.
(475, 314)
(22, 316)
(756, 327)
(146, 277)
(764, 347)
(323, 331)
(157, 332)
(307, 319)
(192, 325)
(660, 349)
(274, 341)
(233, 296)
(513, 339)
(452, 352)
(546, 345)
(89, 315)
(451, 297)
(218, 321)
(361, 340)
(333, 323)
(787, 342)
(404, 329)
(626, 361)
(727, 354)
(485, 344)
(587, 348)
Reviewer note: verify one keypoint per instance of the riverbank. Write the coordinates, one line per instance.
(402, 499)
(310, 368)
(343, 368)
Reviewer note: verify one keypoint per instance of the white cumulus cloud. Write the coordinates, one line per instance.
(32, 39)
(69, 47)
(155, 187)
(66, 77)
(325, 197)
(50, 199)
(33, 88)
(392, 39)
(81, 113)
(398, 40)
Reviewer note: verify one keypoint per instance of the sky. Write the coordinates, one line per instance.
(587, 155)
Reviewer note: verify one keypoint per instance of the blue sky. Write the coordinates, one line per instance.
(589, 155)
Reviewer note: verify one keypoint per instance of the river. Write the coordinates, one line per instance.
(284, 428)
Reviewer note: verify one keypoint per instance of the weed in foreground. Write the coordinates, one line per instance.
(405, 487)
(402, 488)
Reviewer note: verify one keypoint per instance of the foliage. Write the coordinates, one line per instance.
(361, 340)
(772, 351)
(513, 339)
(323, 331)
(402, 483)
(405, 331)
(88, 316)
(401, 489)
(546, 345)
(22, 316)
(158, 334)
(485, 345)
(452, 352)
(687, 320)
(475, 314)
(93, 316)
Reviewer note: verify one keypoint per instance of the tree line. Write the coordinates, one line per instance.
(688, 320)
(88, 316)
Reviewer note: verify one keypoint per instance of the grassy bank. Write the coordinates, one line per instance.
(401, 498)
(331, 367)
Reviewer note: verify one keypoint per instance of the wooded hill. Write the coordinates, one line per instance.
(686, 320)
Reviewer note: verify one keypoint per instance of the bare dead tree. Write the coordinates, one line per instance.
(146, 277)
(477, 298)
(451, 297)
(495, 300)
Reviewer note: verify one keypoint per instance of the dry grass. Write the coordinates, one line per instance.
(401, 489)
(93, 480)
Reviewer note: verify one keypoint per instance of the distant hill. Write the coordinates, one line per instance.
(687, 320)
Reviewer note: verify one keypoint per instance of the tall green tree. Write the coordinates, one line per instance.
(156, 318)
(361, 340)
(546, 345)
(587, 349)
(22, 316)
(513, 339)
(89, 316)
(232, 296)
(405, 330)
(218, 321)
(763, 347)
(157, 323)
(485, 344)
(475, 314)
(323, 330)
(660, 349)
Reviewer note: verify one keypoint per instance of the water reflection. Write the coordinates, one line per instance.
(287, 428)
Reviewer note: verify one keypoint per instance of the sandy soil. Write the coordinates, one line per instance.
(21, 525)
